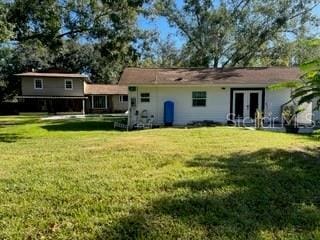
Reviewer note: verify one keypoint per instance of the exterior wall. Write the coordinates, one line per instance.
(316, 112)
(113, 105)
(305, 117)
(217, 107)
(52, 87)
(276, 98)
(90, 108)
(274, 101)
(118, 106)
(217, 104)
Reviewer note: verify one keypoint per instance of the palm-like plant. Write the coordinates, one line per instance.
(308, 89)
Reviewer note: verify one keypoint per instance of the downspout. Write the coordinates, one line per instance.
(157, 97)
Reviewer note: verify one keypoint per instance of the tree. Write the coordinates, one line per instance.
(19, 58)
(102, 31)
(305, 51)
(309, 89)
(233, 32)
(74, 57)
(162, 53)
(278, 54)
(5, 27)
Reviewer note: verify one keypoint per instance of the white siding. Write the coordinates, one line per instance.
(217, 107)
(305, 117)
(274, 100)
(316, 112)
(217, 103)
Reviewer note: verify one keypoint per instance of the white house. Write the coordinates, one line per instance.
(316, 112)
(207, 94)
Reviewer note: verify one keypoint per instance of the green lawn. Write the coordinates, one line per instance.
(82, 179)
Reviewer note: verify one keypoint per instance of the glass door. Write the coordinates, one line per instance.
(246, 103)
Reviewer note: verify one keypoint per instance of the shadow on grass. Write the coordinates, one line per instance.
(17, 122)
(78, 125)
(9, 137)
(315, 135)
(268, 190)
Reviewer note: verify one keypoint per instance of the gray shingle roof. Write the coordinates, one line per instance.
(200, 76)
(54, 75)
(105, 89)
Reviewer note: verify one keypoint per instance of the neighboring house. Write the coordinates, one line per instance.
(53, 92)
(207, 94)
(106, 97)
(69, 92)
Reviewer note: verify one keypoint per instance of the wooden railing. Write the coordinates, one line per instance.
(121, 126)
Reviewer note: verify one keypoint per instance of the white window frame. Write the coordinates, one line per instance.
(199, 98)
(65, 84)
(121, 98)
(105, 99)
(145, 98)
(34, 83)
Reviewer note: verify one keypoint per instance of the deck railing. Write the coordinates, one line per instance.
(120, 126)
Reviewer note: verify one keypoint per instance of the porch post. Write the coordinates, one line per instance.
(83, 106)
(129, 110)
(106, 101)
(92, 105)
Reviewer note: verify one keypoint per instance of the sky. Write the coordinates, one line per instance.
(161, 25)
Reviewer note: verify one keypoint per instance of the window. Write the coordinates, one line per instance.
(123, 98)
(145, 97)
(38, 84)
(99, 102)
(199, 99)
(133, 102)
(68, 84)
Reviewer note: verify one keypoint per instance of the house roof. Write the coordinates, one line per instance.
(53, 75)
(200, 76)
(50, 97)
(97, 89)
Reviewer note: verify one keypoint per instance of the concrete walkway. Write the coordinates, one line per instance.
(61, 117)
(81, 116)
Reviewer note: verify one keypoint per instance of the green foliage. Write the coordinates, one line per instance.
(19, 58)
(80, 179)
(93, 37)
(36, 20)
(162, 53)
(100, 37)
(99, 31)
(306, 53)
(5, 27)
(290, 113)
(290, 84)
(237, 32)
(74, 57)
(276, 53)
(309, 91)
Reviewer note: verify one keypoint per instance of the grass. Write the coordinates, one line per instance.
(80, 179)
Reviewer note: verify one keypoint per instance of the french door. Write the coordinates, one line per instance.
(246, 103)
